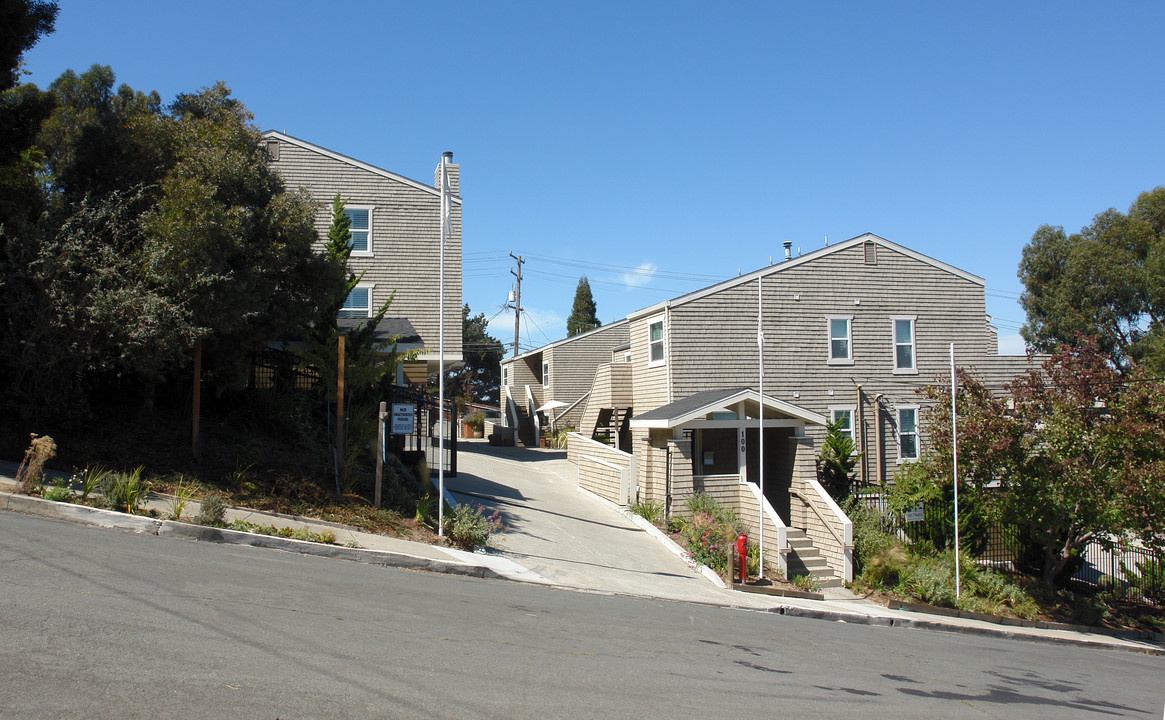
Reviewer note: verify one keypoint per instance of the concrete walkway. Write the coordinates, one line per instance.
(555, 535)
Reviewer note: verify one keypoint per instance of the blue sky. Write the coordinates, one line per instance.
(660, 147)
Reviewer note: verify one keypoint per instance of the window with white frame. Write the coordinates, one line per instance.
(545, 373)
(655, 343)
(505, 375)
(843, 417)
(360, 216)
(358, 304)
(904, 361)
(907, 433)
(840, 346)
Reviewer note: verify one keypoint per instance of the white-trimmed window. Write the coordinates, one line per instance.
(907, 432)
(840, 343)
(505, 375)
(545, 373)
(843, 416)
(903, 329)
(361, 218)
(655, 346)
(358, 304)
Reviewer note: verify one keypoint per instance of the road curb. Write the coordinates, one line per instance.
(922, 624)
(98, 517)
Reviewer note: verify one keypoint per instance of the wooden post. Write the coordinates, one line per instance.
(380, 450)
(339, 410)
(196, 435)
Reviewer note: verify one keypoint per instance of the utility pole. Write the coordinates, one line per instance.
(517, 298)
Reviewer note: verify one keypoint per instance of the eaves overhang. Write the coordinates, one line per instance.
(696, 407)
(274, 134)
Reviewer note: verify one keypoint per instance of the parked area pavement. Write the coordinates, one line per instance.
(555, 535)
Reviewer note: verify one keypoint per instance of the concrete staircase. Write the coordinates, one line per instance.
(804, 559)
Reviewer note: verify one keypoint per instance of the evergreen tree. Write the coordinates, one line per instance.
(582, 314)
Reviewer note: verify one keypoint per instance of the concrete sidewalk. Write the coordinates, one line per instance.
(556, 536)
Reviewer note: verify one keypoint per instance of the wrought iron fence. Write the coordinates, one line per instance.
(1125, 568)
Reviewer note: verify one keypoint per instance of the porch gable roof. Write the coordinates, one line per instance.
(696, 406)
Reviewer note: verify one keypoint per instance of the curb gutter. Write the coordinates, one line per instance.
(99, 517)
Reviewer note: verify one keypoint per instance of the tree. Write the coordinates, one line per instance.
(582, 313)
(836, 462)
(1079, 459)
(226, 241)
(161, 226)
(22, 23)
(1106, 282)
(480, 378)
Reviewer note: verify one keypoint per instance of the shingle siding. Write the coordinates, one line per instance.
(713, 338)
(405, 238)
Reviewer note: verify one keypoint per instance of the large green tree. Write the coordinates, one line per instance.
(1080, 458)
(22, 23)
(479, 379)
(1106, 282)
(226, 241)
(162, 225)
(582, 313)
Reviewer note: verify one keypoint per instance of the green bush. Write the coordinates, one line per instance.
(869, 539)
(652, 511)
(468, 528)
(213, 511)
(124, 492)
(710, 533)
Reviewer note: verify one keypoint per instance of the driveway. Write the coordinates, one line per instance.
(569, 538)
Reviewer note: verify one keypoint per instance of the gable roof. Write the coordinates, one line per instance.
(698, 405)
(818, 254)
(571, 339)
(282, 137)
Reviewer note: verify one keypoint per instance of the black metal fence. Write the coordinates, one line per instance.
(424, 437)
(1125, 568)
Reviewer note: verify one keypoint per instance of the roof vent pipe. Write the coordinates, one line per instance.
(788, 249)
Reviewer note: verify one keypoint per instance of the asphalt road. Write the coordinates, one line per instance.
(104, 624)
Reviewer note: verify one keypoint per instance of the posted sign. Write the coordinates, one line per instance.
(402, 419)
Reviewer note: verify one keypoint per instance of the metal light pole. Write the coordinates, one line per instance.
(441, 351)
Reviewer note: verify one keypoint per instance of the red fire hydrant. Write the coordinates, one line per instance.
(742, 552)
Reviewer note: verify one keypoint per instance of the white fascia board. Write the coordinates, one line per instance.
(567, 341)
(801, 260)
(274, 134)
(727, 405)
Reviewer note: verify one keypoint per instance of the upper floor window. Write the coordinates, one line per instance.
(904, 345)
(545, 373)
(907, 432)
(505, 375)
(655, 342)
(844, 419)
(840, 352)
(358, 304)
(361, 219)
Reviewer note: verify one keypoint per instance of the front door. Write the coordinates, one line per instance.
(778, 466)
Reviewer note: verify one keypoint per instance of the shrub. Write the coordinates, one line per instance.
(124, 492)
(710, 533)
(213, 511)
(467, 527)
(90, 479)
(651, 511)
(182, 495)
(58, 491)
(869, 539)
(709, 541)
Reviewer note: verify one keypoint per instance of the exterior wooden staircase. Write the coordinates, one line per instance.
(804, 559)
